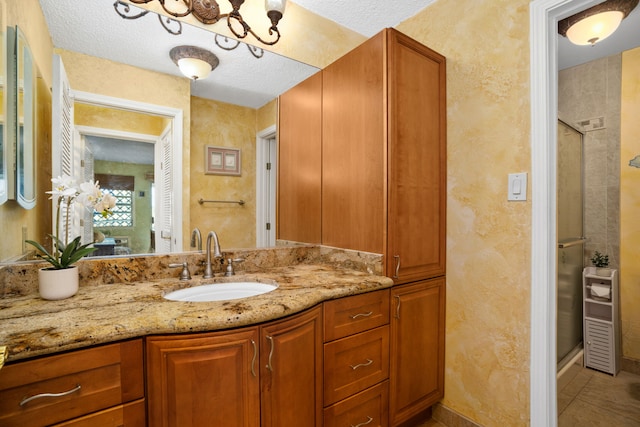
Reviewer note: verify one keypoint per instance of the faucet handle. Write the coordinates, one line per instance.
(230, 261)
(184, 275)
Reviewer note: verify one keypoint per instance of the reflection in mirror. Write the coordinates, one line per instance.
(119, 151)
(25, 123)
(3, 107)
(217, 110)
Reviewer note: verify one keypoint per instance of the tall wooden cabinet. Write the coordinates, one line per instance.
(382, 188)
(382, 183)
(384, 154)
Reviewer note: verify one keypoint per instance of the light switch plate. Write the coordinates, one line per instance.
(517, 187)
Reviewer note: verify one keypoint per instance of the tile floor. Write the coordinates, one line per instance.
(588, 398)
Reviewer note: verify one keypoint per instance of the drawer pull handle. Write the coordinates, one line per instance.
(361, 365)
(355, 316)
(269, 365)
(397, 297)
(369, 419)
(253, 361)
(41, 395)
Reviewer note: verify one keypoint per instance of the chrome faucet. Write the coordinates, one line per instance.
(196, 239)
(208, 272)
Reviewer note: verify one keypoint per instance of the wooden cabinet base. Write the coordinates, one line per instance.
(128, 415)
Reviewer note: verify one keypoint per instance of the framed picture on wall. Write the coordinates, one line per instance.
(222, 161)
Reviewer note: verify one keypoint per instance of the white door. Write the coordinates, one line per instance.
(266, 173)
(163, 183)
(65, 160)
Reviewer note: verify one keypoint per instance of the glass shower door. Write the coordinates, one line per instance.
(570, 243)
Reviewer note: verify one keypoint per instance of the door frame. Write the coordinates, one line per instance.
(543, 18)
(266, 212)
(176, 117)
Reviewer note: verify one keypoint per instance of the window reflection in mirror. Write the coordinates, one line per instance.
(25, 123)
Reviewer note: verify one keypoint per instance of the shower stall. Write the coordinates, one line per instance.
(570, 262)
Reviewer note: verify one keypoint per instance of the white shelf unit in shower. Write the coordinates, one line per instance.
(601, 304)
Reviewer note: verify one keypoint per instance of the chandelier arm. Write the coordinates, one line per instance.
(187, 3)
(171, 22)
(255, 51)
(226, 40)
(247, 30)
(126, 11)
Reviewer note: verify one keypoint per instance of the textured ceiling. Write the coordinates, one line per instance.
(92, 27)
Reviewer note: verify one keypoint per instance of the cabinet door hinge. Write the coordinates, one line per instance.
(268, 226)
(268, 166)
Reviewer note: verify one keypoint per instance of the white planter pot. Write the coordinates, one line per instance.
(58, 284)
(603, 271)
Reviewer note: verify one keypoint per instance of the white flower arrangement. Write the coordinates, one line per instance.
(65, 193)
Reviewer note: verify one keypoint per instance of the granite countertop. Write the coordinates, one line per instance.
(106, 313)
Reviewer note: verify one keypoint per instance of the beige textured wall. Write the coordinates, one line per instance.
(630, 205)
(486, 44)
(100, 76)
(224, 125)
(28, 16)
(267, 115)
(112, 118)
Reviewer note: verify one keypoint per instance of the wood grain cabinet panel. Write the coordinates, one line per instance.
(417, 348)
(291, 377)
(61, 387)
(203, 380)
(300, 162)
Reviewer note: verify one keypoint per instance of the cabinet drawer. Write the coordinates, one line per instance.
(355, 363)
(86, 381)
(128, 415)
(369, 407)
(350, 315)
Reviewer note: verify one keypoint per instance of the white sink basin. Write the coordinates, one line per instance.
(220, 291)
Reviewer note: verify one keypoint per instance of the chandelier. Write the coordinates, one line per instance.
(208, 12)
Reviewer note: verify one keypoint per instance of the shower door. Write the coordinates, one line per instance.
(570, 243)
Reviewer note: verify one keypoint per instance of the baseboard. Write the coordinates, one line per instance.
(630, 365)
(450, 417)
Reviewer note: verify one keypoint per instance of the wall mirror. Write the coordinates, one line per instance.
(3, 106)
(25, 122)
(258, 73)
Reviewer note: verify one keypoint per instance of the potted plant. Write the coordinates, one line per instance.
(601, 262)
(60, 280)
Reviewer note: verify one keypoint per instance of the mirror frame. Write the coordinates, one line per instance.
(4, 78)
(25, 123)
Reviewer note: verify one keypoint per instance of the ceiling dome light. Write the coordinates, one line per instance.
(194, 62)
(597, 23)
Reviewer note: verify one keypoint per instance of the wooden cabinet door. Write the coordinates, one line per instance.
(291, 375)
(300, 162)
(204, 380)
(353, 150)
(417, 348)
(417, 160)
